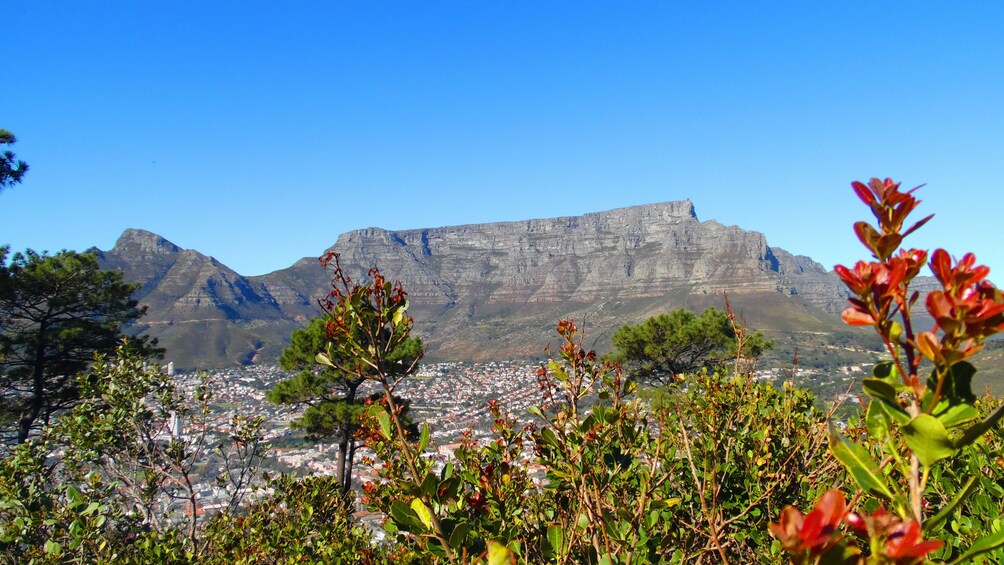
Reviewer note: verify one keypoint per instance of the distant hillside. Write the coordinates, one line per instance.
(205, 314)
(493, 291)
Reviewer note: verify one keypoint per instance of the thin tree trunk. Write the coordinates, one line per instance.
(348, 446)
(37, 390)
(351, 461)
(343, 451)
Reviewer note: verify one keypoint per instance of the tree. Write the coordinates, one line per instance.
(55, 313)
(111, 481)
(330, 394)
(666, 345)
(11, 169)
(304, 521)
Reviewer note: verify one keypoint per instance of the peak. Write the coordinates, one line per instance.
(145, 241)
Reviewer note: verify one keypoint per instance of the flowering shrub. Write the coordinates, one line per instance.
(915, 426)
(692, 478)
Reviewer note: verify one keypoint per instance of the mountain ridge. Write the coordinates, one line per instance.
(483, 291)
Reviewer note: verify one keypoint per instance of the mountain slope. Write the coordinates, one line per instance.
(496, 290)
(489, 291)
(204, 313)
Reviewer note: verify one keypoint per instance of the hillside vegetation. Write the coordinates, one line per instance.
(711, 466)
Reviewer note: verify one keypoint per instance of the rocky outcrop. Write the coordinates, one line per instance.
(801, 276)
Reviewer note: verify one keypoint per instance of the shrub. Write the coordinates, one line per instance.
(926, 452)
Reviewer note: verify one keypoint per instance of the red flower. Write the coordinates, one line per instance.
(890, 207)
(902, 540)
(968, 309)
(904, 544)
(813, 532)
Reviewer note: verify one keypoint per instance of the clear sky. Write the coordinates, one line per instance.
(257, 132)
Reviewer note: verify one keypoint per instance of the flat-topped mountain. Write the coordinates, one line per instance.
(488, 291)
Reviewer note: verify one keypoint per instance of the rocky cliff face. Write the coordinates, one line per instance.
(203, 312)
(628, 252)
(801, 276)
(493, 290)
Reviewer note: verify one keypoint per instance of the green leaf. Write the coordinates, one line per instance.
(955, 415)
(383, 418)
(405, 517)
(885, 370)
(423, 512)
(983, 545)
(556, 538)
(73, 494)
(859, 464)
(928, 439)
(499, 554)
(429, 485)
(934, 521)
(877, 421)
(957, 387)
(536, 411)
(894, 411)
(547, 436)
(973, 433)
(878, 388)
(895, 331)
(52, 548)
(447, 471)
(448, 489)
(459, 535)
(324, 359)
(557, 371)
(840, 555)
(423, 440)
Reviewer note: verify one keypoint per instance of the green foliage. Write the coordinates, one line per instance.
(330, 396)
(55, 313)
(746, 449)
(304, 521)
(695, 477)
(683, 474)
(924, 454)
(330, 392)
(105, 472)
(678, 342)
(977, 473)
(12, 170)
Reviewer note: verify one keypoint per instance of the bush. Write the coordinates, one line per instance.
(304, 521)
(927, 456)
(696, 476)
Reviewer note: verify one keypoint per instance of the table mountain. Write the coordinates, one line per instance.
(488, 291)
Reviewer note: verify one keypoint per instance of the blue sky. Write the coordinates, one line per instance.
(257, 132)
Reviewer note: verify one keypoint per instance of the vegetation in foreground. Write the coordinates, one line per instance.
(698, 476)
